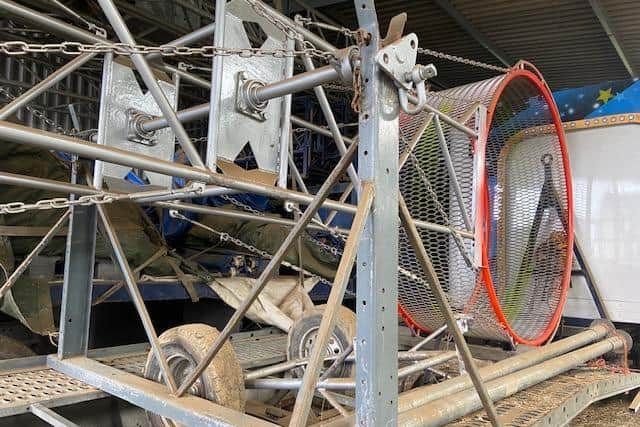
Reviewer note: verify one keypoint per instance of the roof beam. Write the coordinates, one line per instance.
(473, 32)
(602, 16)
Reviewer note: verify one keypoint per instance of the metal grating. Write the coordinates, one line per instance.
(555, 401)
(514, 189)
(19, 389)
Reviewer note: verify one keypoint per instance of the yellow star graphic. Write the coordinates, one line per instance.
(605, 95)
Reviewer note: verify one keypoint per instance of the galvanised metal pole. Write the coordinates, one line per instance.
(72, 32)
(454, 406)
(331, 122)
(318, 129)
(445, 309)
(377, 273)
(422, 395)
(329, 317)
(11, 280)
(51, 141)
(215, 107)
(50, 81)
(136, 297)
(285, 126)
(271, 268)
(120, 27)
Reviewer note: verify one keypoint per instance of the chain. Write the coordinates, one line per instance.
(226, 237)
(334, 232)
(308, 22)
(124, 49)
(92, 199)
(37, 113)
(461, 60)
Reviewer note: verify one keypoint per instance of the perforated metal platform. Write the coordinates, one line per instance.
(24, 382)
(557, 401)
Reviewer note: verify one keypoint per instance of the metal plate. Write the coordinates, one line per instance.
(235, 130)
(123, 93)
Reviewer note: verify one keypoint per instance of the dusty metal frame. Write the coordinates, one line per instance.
(374, 232)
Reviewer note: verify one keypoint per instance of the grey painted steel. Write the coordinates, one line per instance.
(445, 309)
(452, 173)
(187, 39)
(318, 129)
(50, 417)
(285, 125)
(451, 407)
(136, 297)
(103, 116)
(298, 83)
(447, 119)
(77, 287)
(323, 101)
(50, 81)
(34, 253)
(377, 278)
(603, 17)
(302, 406)
(475, 33)
(187, 115)
(271, 269)
(154, 397)
(216, 87)
(120, 27)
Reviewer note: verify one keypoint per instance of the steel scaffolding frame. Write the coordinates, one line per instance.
(372, 239)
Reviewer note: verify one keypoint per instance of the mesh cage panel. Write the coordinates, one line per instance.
(514, 186)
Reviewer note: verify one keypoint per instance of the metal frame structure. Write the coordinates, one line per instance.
(372, 239)
(373, 236)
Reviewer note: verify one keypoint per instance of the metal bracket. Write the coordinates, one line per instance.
(398, 61)
(246, 101)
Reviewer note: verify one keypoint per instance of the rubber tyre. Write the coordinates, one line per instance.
(184, 347)
(344, 334)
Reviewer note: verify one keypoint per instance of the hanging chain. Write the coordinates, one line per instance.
(348, 33)
(93, 199)
(226, 237)
(37, 113)
(461, 60)
(124, 49)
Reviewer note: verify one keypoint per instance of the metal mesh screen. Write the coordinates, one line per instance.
(495, 211)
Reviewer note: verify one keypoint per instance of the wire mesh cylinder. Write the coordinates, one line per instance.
(501, 204)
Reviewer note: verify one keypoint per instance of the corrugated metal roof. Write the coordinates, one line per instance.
(563, 38)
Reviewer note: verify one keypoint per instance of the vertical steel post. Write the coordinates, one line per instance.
(285, 122)
(216, 86)
(377, 279)
(80, 254)
(78, 282)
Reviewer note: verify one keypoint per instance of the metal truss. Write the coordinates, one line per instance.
(372, 239)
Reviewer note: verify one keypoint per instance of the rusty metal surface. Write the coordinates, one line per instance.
(557, 401)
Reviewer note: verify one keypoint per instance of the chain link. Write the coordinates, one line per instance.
(461, 60)
(37, 113)
(92, 199)
(226, 237)
(76, 48)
